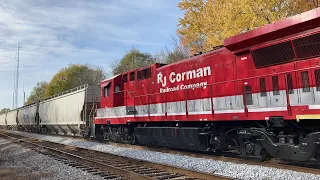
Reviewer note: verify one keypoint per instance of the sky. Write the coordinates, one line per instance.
(55, 34)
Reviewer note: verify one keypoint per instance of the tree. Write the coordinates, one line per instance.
(207, 23)
(133, 59)
(4, 110)
(73, 76)
(37, 93)
(178, 53)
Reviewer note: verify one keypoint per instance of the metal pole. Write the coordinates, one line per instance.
(13, 100)
(24, 96)
(17, 76)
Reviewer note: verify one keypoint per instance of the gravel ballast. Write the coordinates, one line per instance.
(19, 163)
(233, 170)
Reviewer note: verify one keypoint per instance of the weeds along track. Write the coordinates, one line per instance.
(107, 165)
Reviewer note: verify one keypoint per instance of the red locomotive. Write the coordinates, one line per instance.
(258, 95)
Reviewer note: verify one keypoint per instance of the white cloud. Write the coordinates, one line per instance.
(56, 33)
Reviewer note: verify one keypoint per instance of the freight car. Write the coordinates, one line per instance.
(11, 119)
(257, 95)
(27, 119)
(3, 121)
(68, 113)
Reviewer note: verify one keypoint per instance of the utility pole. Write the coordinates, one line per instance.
(16, 88)
(13, 100)
(24, 96)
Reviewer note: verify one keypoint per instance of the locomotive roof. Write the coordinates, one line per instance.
(110, 78)
(298, 23)
(215, 50)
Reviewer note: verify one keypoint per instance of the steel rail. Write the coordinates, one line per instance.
(102, 166)
(116, 170)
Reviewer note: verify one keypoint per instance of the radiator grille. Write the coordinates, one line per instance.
(272, 55)
(307, 47)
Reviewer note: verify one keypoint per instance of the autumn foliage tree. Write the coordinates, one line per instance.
(73, 76)
(37, 93)
(206, 23)
(4, 110)
(133, 59)
(175, 53)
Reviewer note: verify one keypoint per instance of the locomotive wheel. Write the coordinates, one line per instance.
(263, 155)
(132, 139)
(317, 157)
(254, 151)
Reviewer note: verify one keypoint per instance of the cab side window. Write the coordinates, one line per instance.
(125, 78)
(144, 74)
(132, 76)
(106, 90)
(117, 88)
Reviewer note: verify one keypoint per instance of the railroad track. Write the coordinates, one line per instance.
(107, 165)
(312, 167)
(309, 167)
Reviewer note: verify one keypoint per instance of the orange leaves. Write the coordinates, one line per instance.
(207, 23)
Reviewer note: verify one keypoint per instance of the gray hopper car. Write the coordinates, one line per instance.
(68, 113)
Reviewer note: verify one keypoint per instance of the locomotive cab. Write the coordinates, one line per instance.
(127, 88)
(112, 92)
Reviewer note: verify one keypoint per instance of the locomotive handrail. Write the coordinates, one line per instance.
(122, 91)
(211, 100)
(186, 99)
(287, 96)
(134, 94)
(244, 96)
(237, 80)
